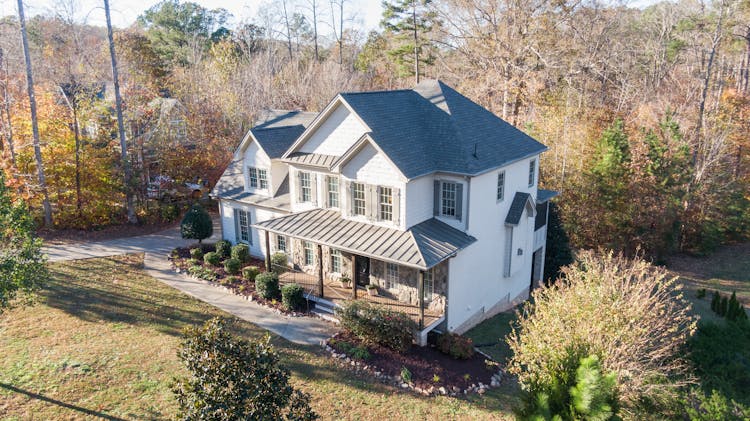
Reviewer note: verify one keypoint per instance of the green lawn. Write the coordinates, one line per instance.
(101, 342)
(489, 336)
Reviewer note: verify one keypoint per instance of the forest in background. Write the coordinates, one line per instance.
(646, 112)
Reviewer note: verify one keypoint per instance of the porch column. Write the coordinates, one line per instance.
(320, 270)
(420, 288)
(268, 251)
(354, 276)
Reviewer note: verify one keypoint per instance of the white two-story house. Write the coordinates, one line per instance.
(420, 192)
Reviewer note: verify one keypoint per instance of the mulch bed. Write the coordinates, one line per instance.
(432, 372)
(241, 287)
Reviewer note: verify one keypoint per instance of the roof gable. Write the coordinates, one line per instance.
(521, 201)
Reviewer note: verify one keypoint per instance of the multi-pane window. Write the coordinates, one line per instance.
(333, 192)
(335, 261)
(429, 285)
(305, 186)
(532, 172)
(242, 219)
(309, 254)
(448, 196)
(385, 203)
(500, 186)
(391, 275)
(281, 243)
(262, 179)
(358, 199)
(258, 178)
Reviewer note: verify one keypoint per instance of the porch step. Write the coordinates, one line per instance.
(325, 313)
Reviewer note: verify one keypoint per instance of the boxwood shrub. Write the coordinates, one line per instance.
(250, 272)
(241, 252)
(457, 346)
(267, 285)
(232, 266)
(279, 262)
(212, 258)
(224, 248)
(292, 297)
(196, 253)
(375, 324)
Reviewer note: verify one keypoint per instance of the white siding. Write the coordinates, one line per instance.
(419, 200)
(257, 214)
(476, 286)
(371, 167)
(336, 134)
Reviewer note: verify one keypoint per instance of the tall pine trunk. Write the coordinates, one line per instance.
(34, 123)
(120, 124)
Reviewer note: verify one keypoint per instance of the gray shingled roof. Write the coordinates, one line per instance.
(276, 140)
(434, 128)
(422, 246)
(268, 118)
(543, 195)
(516, 208)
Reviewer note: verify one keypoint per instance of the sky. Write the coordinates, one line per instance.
(366, 13)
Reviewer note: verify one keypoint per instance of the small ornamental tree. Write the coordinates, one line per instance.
(235, 379)
(22, 269)
(196, 224)
(628, 313)
(557, 254)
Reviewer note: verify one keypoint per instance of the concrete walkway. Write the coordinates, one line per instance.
(300, 330)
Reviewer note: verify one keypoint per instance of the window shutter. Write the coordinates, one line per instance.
(249, 228)
(459, 200)
(343, 203)
(236, 227)
(325, 202)
(436, 202)
(299, 186)
(314, 188)
(371, 202)
(396, 205)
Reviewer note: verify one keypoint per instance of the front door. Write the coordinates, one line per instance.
(362, 271)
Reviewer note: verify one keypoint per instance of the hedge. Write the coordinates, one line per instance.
(250, 272)
(292, 297)
(241, 252)
(232, 266)
(375, 324)
(212, 258)
(223, 248)
(267, 285)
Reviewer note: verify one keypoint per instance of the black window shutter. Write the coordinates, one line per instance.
(459, 200)
(436, 202)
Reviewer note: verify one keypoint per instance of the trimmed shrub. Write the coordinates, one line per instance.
(279, 262)
(202, 272)
(196, 224)
(250, 272)
(267, 285)
(224, 248)
(229, 281)
(212, 258)
(232, 266)
(292, 297)
(241, 252)
(196, 253)
(375, 324)
(457, 346)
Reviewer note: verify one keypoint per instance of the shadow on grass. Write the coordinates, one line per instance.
(43, 398)
(113, 290)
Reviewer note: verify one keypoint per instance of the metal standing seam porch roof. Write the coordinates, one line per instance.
(421, 246)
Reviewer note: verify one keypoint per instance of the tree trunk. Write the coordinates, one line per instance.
(6, 109)
(416, 40)
(77, 132)
(120, 124)
(315, 28)
(288, 30)
(34, 123)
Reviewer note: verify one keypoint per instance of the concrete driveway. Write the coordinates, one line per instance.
(300, 330)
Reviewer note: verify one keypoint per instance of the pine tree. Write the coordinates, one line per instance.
(715, 301)
(558, 253)
(409, 22)
(723, 306)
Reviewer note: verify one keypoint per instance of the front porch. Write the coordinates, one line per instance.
(334, 293)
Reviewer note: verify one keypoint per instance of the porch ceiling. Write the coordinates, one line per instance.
(421, 246)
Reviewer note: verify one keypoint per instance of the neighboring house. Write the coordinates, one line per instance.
(421, 192)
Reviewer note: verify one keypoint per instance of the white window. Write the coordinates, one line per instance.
(258, 178)
(358, 199)
(309, 254)
(500, 185)
(391, 276)
(429, 285)
(281, 243)
(532, 172)
(385, 203)
(305, 186)
(333, 192)
(448, 202)
(242, 226)
(335, 261)
(262, 179)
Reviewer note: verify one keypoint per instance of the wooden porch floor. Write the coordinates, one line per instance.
(332, 291)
